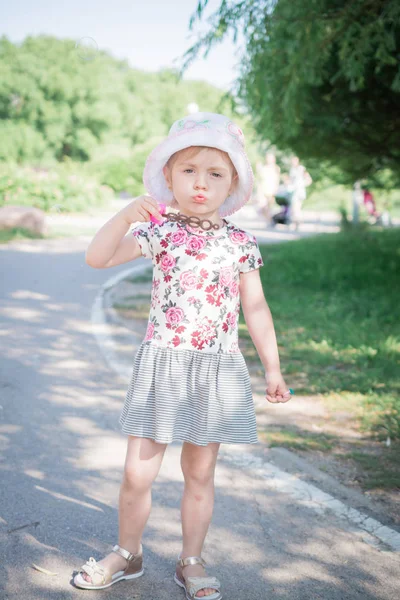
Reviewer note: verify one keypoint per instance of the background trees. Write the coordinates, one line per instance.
(321, 78)
(61, 103)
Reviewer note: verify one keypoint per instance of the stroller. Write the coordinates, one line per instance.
(283, 198)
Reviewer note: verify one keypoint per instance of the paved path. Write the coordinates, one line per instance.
(62, 459)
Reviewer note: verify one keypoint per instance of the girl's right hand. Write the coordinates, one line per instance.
(277, 390)
(140, 209)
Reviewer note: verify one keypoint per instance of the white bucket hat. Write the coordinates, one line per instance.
(201, 129)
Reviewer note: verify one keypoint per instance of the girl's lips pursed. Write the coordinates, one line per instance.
(199, 198)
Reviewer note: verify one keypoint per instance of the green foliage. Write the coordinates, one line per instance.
(320, 78)
(56, 190)
(20, 141)
(121, 167)
(17, 233)
(381, 470)
(57, 102)
(334, 300)
(297, 439)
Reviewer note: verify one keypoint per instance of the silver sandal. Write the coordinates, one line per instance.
(102, 578)
(192, 585)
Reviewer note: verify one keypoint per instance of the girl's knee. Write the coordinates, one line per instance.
(198, 464)
(136, 479)
(199, 474)
(142, 463)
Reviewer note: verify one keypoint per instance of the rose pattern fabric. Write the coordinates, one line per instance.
(195, 300)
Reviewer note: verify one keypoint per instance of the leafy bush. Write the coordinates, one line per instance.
(55, 189)
(20, 141)
(121, 167)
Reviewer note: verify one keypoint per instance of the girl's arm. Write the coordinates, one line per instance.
(111, 246)
(261, 328)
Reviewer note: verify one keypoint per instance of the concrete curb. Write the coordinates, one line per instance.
(101, 326)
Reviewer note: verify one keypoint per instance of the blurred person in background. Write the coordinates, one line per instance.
(268, 176)
(283, 199)
(370, 205)
(300, 179)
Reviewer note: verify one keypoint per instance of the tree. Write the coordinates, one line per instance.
(319, 77)
(57, 102)
(60, 103)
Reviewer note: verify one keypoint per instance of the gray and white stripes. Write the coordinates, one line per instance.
(189, 395)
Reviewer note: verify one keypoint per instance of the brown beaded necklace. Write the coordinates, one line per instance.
(192, 221)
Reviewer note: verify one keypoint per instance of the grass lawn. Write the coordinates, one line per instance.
(17, 233)
(335, 304)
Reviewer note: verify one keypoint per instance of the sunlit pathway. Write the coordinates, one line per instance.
(62, 457)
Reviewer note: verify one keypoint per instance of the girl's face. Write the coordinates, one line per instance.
(200, 181)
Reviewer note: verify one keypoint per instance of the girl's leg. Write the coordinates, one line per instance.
(198, 468)
(142, 464)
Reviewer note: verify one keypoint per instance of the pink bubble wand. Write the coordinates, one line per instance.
(162, 209)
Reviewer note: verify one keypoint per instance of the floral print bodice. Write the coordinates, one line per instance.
(195, 300)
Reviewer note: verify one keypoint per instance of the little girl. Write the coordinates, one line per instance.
(190, 382)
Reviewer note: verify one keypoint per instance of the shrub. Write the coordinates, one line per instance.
(49, 189)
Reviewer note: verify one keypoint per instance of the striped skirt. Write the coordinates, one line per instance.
(189, 396)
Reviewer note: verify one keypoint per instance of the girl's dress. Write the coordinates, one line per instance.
(190, 381)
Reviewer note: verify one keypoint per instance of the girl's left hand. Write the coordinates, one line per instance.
(277, 390)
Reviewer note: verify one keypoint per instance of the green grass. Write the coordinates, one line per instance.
(17, 233)
(134, 307)
(377, 467)
(297, 439)
(335, 304)
(379, 471)
(145, 277)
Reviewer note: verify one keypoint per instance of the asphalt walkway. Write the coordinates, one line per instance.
(63, 454)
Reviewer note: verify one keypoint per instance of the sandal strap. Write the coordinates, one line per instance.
(92, 569)
(191, 560)
(195, 584)
(124, 553)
